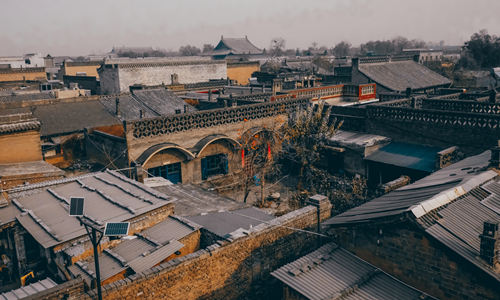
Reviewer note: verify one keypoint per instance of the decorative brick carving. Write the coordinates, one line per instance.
(203, 119)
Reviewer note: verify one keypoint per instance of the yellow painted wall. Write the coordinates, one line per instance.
(242, 71)
(6, 76)
(20, 147)
(90, 70)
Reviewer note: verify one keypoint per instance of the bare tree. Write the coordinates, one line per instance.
(341, 49)
(207, 48)
(189, 50)
(306, 134)
(277, 46)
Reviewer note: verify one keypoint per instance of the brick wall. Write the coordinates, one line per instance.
(407, 253)
(227, 270)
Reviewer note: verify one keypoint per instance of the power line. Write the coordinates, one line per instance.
(256, 219)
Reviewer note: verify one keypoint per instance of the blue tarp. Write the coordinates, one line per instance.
(410, 156)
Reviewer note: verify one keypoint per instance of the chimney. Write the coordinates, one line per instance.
(493, 96)
(495, 156)
(141, 114)
(117, 106)
(185, 108)
(355, 62)
(323, 207)
(277, 84)
(490, 244)
(139, 173)
(174, 78)
(408, 92)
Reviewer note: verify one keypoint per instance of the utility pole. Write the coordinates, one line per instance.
(95, 238)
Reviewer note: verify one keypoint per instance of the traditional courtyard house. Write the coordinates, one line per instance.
(235, 48)
(392, 74)
(241, 71)
(38, 235)
(83, 68)
(22, 74)
(439, 234)
(21, 155)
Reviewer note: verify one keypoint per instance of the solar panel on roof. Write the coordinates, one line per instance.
(76, 206)
(114, 229)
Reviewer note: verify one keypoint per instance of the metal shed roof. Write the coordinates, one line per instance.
(410, 156)
(223, 223)
(149, 260)
(458, 224)
(331, 271)
(400, 200)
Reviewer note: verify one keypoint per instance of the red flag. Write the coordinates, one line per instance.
(242, 158)
(269, 151)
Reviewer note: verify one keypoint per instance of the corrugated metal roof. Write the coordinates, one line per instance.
(410, 156)
(149, 260)
(223, 223)
(398, 76)
(331, 272)
(29, 290)
(109, 197)
(170, 229)
(400, 200)
(459, 224)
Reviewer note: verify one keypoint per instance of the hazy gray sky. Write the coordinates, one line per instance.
(64, 27)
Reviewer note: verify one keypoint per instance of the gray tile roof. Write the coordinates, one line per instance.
(332, 272)
(399, 75)
(152, 102)
(30, 167)
(18, 122)
(400, 200)
(226, 222)
(109, 197)
(29, 290)
(70, 117)
(236, 46)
